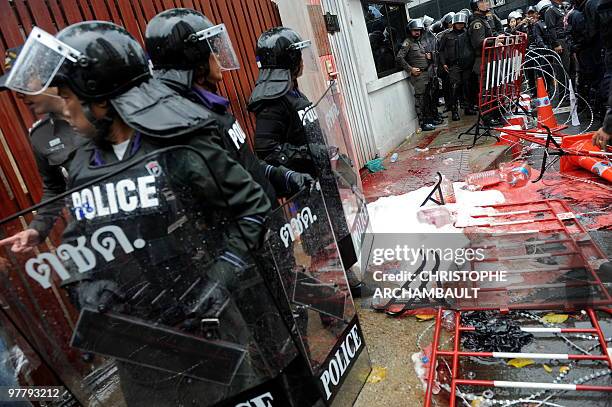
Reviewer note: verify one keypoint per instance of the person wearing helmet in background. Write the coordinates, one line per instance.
(480, 28)
(201, 202)
(416, 60)
(447, 20)
(513, 23)
(183, 65)
(530, 23)
(554, 17)
(53, 143)
(586, 45)
(449, 58)
(542, 42)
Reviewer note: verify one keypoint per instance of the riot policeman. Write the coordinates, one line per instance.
(288, 131)
(193, 215)
(587, 47)
(554, 19)
(183, 64)
(415, 60)
(447, 20)
(479, 29)
(450, 62)
(53, 143)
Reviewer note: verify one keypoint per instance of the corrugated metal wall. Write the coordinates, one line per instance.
(20, 185)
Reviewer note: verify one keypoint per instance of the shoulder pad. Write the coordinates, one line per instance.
(38, 124)
(156, 110)
(406, 42)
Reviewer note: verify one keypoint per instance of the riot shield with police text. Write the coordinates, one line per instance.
(330, 141)
(303, 247)
(149, 292)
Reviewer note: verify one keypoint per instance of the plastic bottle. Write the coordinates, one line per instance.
(515, 175)
(484, 179)
(394, 157)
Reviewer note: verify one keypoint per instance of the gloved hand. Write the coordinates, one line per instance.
(207, 308)
(102, 295)
(296, 181)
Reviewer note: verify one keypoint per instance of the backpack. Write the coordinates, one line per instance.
(464, 51)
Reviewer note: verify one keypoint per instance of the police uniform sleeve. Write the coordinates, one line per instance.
(550, 19)
(442, 45)
(54, 184)
(400, 60)
(271, 128)
(477, 35)
(223, 182)
(278, 177)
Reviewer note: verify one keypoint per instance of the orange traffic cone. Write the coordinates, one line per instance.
(582, 142)
(546, 115)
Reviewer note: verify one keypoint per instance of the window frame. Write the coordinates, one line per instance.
(387, 4)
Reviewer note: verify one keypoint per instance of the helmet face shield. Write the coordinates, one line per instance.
(308, 56)
(38, 62)
(221, 46)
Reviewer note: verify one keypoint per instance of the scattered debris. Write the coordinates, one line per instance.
(555, 318)
(520, 363)
(547, 368)
(494, 333)
(394, 157)
(421, 150)
(375, 165)
(378, 374)
(448, 161)
(564, 369)
(422, 317)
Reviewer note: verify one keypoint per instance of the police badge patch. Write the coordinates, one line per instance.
(477, 25)
(153, 168)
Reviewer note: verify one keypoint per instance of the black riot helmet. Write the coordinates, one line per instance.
(460, 18)
(448, 18)
(280, 48)
(100, 59)
(169, 41)
(279, 58)
(475, 5)
(416, 24)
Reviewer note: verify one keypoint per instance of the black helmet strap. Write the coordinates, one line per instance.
(102, 125)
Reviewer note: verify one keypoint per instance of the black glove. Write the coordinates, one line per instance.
(102, 295)
(296, 181)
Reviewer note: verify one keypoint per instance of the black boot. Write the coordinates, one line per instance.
(427, 127)
(456, 117)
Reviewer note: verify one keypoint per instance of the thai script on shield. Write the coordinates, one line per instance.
(104, 241)
(297, 226)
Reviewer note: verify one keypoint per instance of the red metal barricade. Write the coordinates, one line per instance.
(501, 72)
(500, 81)
(555, 219)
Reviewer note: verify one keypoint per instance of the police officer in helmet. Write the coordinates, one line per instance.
(288, 132)
(176, 42)
(53, 142)
(480, 28)
(415, 59)
(450, 60)
(111, 98)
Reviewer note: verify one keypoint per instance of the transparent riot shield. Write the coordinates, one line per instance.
(327, 130)
(146, 294)
(304, 250)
